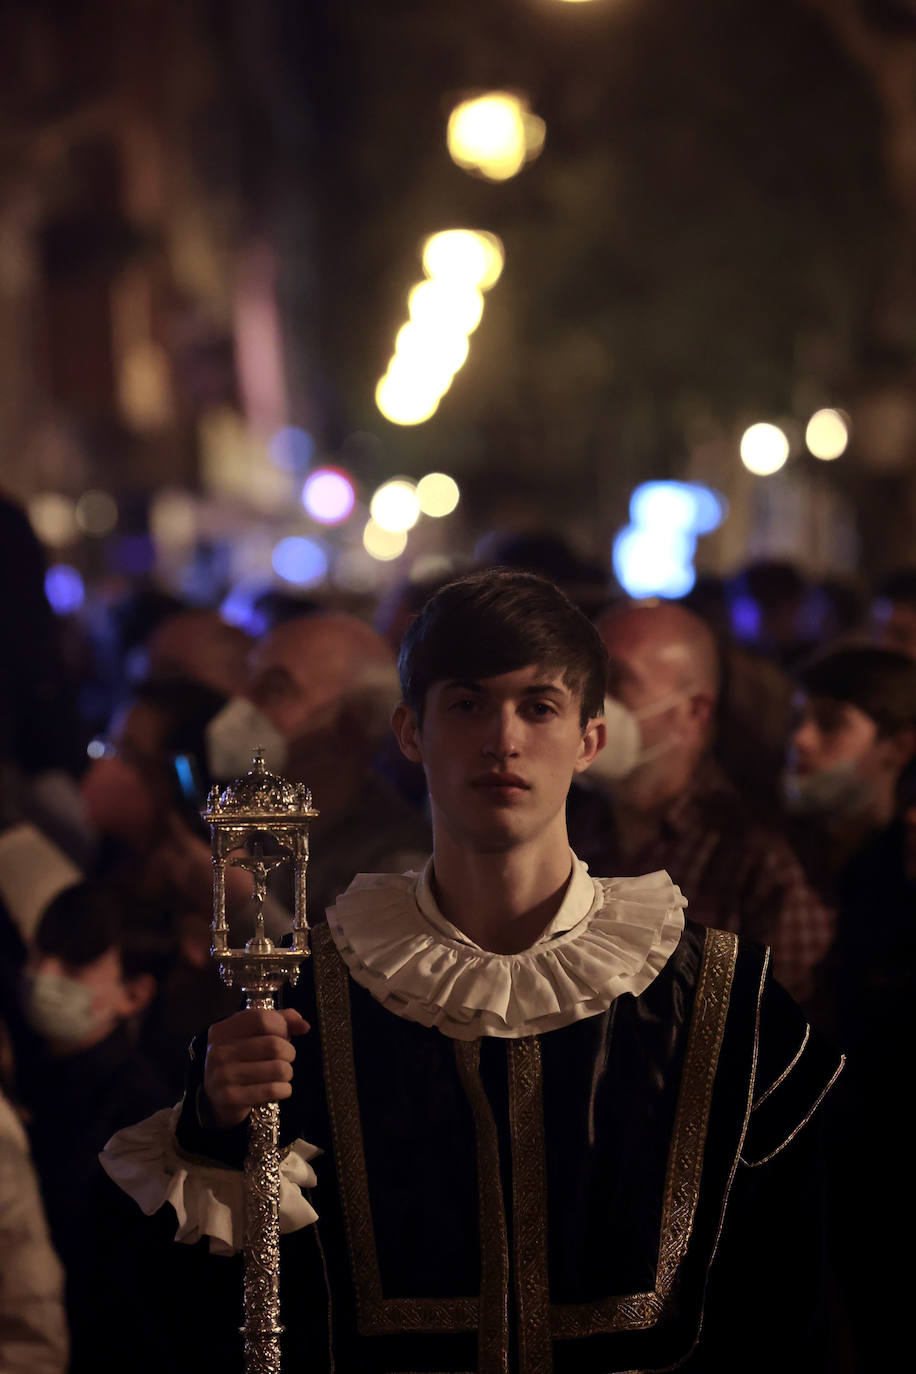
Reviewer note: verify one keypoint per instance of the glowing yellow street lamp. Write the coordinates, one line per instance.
(469, 257)
(827, 434)
(437, 494)
(764, 449)
(494, 135)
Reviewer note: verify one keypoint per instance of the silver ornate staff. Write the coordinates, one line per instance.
(250, 810)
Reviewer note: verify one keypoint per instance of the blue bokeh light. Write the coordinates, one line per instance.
(64, 589)
(299, 560)
(688, 506)
(654, 562)
(291, 448)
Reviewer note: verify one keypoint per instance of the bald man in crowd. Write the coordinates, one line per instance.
(661, 800)
(317, 699)
(327, 683)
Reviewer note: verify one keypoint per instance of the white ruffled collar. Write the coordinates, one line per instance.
(610, 936)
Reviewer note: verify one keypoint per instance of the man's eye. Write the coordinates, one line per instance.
(464, 706)
(542, 709)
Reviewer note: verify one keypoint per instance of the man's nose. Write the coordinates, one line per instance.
(804, 739)
(48, 963)
(501, 740)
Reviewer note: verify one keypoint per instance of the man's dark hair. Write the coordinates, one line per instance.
(496, 622)
(879, 682)
(86, 920)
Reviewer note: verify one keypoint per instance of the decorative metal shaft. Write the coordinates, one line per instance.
(249, 811)
(262, 1329)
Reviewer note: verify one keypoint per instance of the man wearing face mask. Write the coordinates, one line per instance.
(853, 739)
(855, 734)
(92, 974)
(659, 799)
(319, 699)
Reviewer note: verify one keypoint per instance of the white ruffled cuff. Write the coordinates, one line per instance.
(207, 1198)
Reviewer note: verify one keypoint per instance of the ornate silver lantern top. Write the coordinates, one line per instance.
(260, 798)
(247, 812)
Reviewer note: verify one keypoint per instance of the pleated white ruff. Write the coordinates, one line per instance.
(611, 936)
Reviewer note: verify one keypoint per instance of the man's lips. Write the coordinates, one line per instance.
(501, 781)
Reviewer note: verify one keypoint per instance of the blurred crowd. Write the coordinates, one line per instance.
(761, 747)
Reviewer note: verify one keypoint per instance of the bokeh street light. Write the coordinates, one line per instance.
(384, 545)
(404, 400)
(328, 496)
(764, 449)
(471, 257)
(494, 135)
(395, 507)
(437, 494)
(827, 434)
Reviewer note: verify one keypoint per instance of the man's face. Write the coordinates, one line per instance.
(643, 673)
(297, 676)
(499, 755)
(108, 998)
(827, 733)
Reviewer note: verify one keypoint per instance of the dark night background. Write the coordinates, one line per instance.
(718, 231)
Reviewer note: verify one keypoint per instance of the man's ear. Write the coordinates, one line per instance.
(702, 709)
(593, 741)
(138, 993)
(407, 731)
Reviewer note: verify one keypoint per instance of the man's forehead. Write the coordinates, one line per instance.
(302, 652)
(532, 678)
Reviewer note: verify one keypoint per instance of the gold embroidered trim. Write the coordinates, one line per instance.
(786, 1071)
(748, 1108)
(529, 1205)
(637, 1311)
(493, 1331)
(376, 1314)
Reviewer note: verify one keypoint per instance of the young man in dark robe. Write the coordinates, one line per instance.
(560, 1128)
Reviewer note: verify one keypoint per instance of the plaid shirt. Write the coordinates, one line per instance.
(735, 873)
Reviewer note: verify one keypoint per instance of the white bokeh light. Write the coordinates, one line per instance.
(446, 306)
(827, 434)
(426, 349)
(53, 518)
(404, 400)
(437, 494)
(494, 134)
(764, 449)
(384, 545)
(395, 507)
(328, 496)
(468, 256)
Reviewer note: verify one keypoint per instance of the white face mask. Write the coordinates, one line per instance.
(58, 1008)
(233, 736)
(839, 790)
(624, 751)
